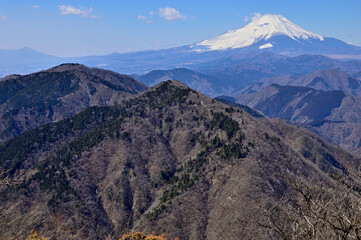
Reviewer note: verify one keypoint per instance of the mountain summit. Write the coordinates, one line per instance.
(278, 34)
(261, 28)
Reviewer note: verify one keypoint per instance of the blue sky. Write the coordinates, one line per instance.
(94, 27)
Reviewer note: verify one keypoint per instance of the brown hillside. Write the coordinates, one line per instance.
(169, 160)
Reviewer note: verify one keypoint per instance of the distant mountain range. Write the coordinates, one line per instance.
(326, 80)
(211, 85)
(267, 34)
(299, 104)
(253, 71)
(335, 115)
(226, 76)
(25, 60)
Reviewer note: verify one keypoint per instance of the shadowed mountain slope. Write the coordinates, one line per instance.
(335, 115)
(51, 95)
(325, 80)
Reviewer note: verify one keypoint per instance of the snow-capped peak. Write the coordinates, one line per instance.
(261, 28)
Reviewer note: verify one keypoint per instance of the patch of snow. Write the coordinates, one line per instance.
(199, 50)
(261, 28)
(267, 45)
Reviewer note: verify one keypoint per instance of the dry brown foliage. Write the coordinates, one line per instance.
(319, 213)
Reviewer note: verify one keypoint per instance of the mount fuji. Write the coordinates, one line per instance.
(278, 34)
(269, 34)
(265, 37)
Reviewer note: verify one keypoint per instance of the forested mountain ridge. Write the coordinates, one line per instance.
(169, 160)
(54, 94)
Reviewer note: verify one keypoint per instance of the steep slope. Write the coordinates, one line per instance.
(169, 160)
(299, 104)
(325, 80)
(47, 96)
(334, 115)
(330, 79)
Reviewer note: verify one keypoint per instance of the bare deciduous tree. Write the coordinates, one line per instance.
(316, 212)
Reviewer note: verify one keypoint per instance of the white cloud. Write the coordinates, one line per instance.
(256, 16)
(171, 14)
(151, 13)
(36, 6)
(94, 16)
(141, 17)
(3, 17)
(68, 9)
(253, 17)
(144, 18)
